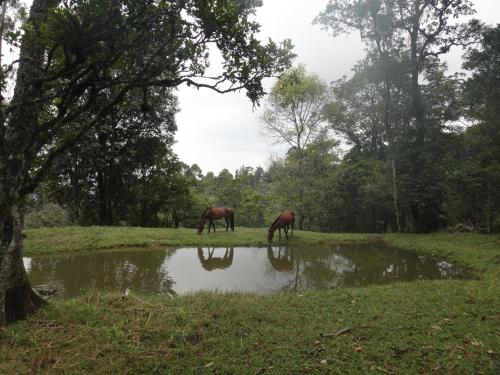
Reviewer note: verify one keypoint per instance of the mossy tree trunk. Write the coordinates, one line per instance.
(17, 299)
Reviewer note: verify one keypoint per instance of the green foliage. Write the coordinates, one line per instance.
(473, 197)
(48, 215)
(398, 106)
(362, 196)
(294, 112)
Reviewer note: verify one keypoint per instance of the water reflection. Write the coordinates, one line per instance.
(131, 269)
(282, 260)
(233, 269)
(210, 262)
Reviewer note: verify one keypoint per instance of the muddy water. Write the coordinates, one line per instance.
(243, 269)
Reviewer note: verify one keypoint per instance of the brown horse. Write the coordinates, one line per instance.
(216, 213)
(284, 221)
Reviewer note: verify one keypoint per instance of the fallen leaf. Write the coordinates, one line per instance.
(338, 333)
(209, 364)
(358, 349)
(476, 342)
(323, 362)
(378, 368)
(342, 331)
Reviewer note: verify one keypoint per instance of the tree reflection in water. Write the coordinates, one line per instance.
(253, 269)
(130, 269)
(355, 265)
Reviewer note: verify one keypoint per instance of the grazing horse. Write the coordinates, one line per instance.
(286, 219)
(216, 213)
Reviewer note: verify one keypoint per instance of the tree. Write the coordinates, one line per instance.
(95, 178)
(409, 34)
(123, 162)
(300, 181)
(294, 115)
(79, 60)
(476, 177)
(294, 109)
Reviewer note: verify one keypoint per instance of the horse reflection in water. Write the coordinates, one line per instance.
(211, 263)
(283, 260)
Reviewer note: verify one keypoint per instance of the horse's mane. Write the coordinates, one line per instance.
(204, 215)
(274, 222)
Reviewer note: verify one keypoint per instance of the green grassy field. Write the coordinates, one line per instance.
(403, 328)
(72, 239)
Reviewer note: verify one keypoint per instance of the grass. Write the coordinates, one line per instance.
(444, 327)
(73, 239)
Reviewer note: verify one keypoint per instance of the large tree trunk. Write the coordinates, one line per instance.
(418, 112)
(17, 299)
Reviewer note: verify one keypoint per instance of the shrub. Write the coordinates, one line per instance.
(48, 215)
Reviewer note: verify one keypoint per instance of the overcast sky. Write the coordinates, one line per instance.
(222, 131)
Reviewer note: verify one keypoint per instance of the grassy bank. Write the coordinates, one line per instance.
(404, 328)
(72, 239)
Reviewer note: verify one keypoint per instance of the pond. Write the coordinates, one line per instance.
(241, 269)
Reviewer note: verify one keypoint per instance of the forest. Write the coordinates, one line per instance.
(402, 145)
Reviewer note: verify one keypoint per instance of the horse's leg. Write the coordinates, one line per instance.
(286, 232)
(227, 223)
(210, 223)
(213, 225)
(279, 234)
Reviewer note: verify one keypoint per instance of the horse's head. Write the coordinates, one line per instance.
(201, 223)
(270, 235)
(199, 227)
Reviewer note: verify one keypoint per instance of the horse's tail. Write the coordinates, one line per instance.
(231, 220)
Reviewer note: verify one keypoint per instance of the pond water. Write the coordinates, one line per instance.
(242, 269)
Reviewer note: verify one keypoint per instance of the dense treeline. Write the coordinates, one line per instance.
(401, 145)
